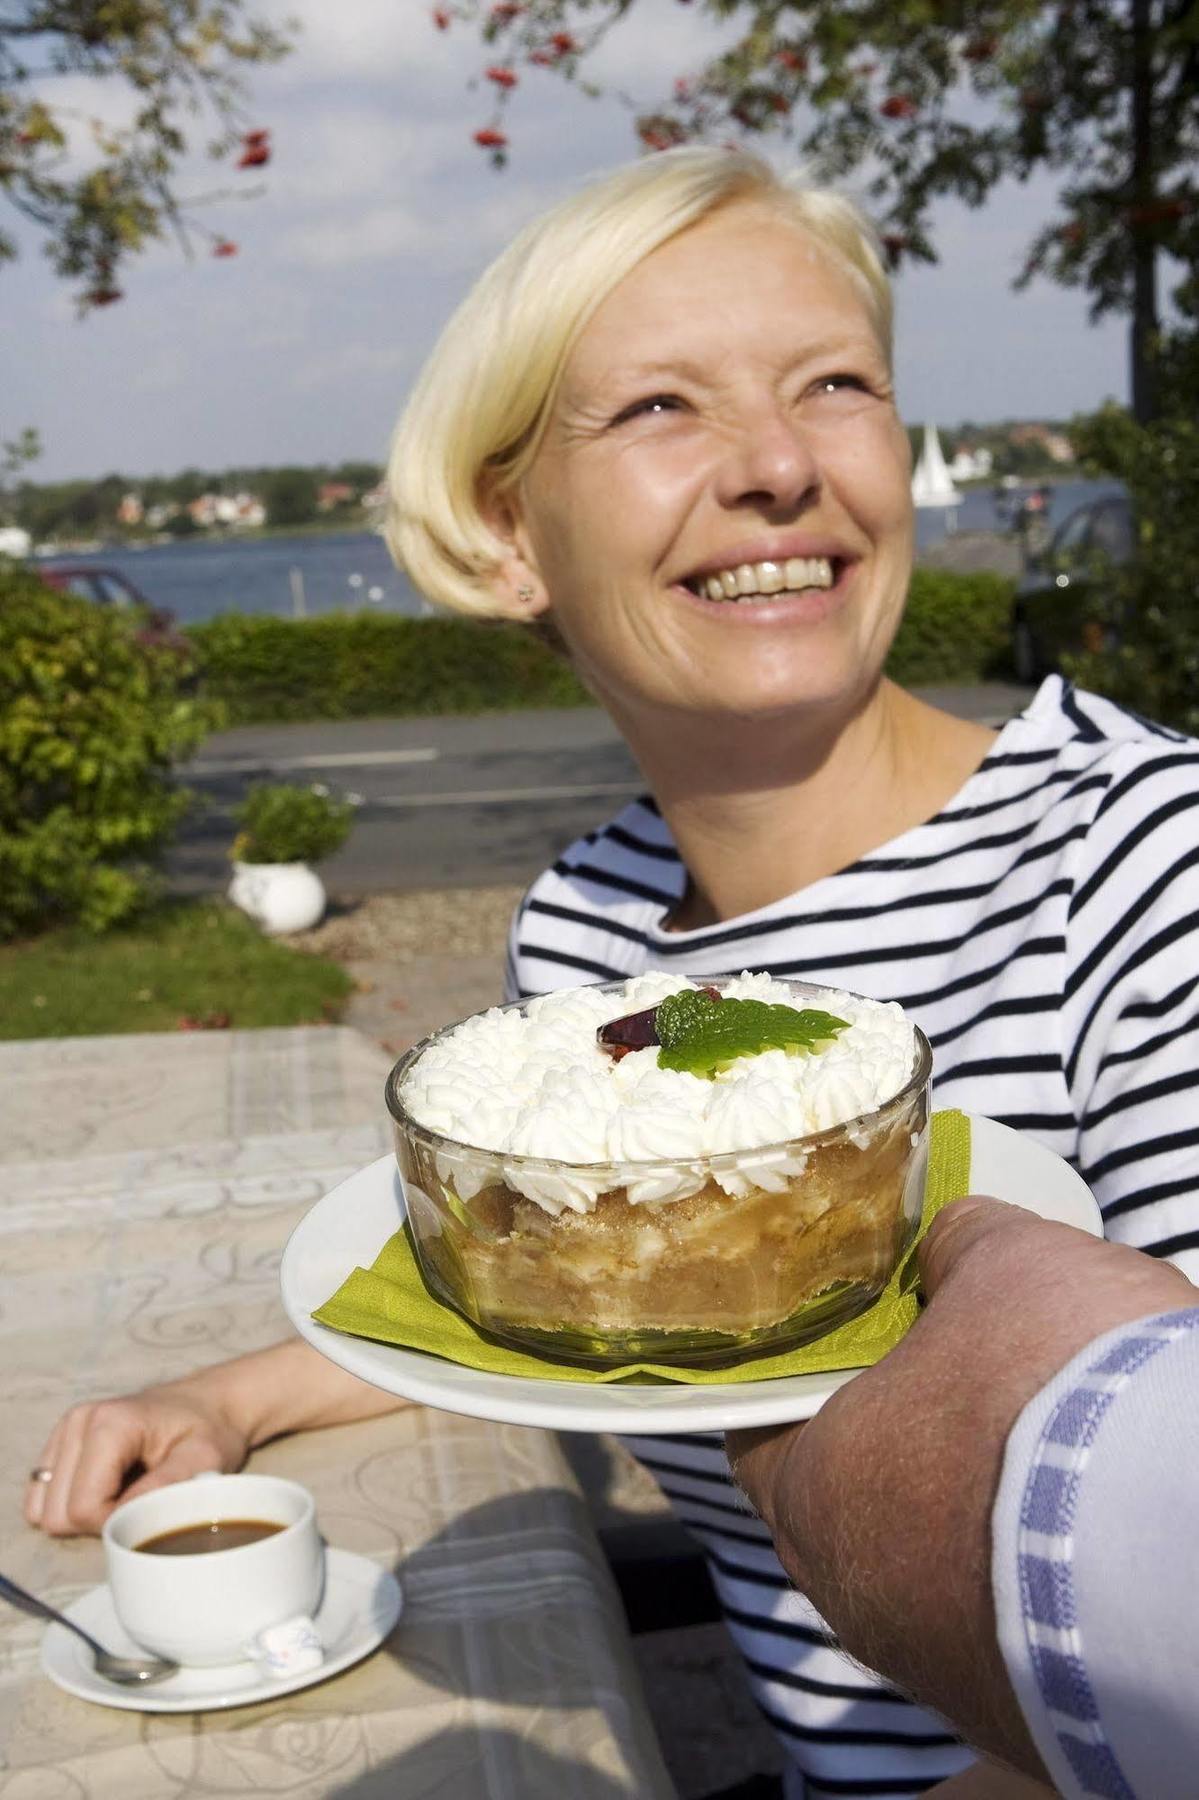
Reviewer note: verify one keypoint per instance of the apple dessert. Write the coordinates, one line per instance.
(656, 1169)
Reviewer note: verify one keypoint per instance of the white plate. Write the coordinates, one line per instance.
(361, 1604)
(350, 1226)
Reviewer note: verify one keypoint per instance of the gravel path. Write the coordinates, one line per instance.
(404, 928)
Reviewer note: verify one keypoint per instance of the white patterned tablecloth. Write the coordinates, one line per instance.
(147, 1186)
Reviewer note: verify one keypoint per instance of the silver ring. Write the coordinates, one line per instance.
(41, 1474)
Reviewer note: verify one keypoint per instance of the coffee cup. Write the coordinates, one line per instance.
(206, 1607)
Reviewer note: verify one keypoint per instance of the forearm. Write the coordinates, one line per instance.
(988, 1781)
(288, 1387)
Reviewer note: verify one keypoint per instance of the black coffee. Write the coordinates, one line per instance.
(220, 1534)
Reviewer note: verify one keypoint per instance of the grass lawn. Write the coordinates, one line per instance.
(186, 960)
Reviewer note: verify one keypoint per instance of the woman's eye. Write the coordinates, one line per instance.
(832, 384)
(653, 403)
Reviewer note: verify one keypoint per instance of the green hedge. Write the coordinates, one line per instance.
(364, 665)
(353, 667)
(955, 628)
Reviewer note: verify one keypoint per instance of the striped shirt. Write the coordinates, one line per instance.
(1043, 930)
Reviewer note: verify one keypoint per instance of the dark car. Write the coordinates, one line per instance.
(108, 587)
(1053, 611)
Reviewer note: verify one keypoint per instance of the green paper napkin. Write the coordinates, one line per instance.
(390, 1302)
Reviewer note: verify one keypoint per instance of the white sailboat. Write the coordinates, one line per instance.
(931, 482)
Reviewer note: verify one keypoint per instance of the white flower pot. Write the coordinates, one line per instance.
(280, 897)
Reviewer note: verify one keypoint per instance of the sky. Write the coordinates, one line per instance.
(379, 211)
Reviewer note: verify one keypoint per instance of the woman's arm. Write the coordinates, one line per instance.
(105, 1451)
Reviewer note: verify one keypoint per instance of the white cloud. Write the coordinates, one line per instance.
(419, 236)
(341, 39)
(349, 362)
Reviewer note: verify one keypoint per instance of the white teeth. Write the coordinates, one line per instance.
(755, 580)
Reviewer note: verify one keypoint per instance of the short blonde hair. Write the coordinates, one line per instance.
(485, 394)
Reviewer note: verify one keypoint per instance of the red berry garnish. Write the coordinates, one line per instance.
(635, 1031)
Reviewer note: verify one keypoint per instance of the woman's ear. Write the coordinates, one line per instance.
(515, 581)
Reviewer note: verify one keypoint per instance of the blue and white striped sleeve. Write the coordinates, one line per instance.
(1095, 1564)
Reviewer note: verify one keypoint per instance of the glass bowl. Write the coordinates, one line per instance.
(808, 1238)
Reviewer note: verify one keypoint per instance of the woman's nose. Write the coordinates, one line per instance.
(770, 465)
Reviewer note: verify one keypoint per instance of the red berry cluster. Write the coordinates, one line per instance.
(899, 106)
(255, 149)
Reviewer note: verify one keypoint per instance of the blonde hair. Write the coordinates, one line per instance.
(487, 390)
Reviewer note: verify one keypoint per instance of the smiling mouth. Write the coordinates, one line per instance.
(759, 581)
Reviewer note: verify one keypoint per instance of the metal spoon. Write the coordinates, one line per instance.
(126, 1671)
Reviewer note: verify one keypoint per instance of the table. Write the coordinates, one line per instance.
(147, 1185)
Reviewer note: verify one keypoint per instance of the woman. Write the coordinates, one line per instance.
(663, 424)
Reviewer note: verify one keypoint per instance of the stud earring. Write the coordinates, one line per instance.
(524, 592)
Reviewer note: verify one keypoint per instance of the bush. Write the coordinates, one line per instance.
(955, 628)
(281, 824)
(91, 720)
(1150, 607)
(371, 665)
(366, 665)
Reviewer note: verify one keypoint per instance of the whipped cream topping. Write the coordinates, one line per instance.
(534, 1083)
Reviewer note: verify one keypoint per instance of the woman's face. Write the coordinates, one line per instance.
(725, 424)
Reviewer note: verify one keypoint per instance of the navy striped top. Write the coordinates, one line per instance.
(1043, 930)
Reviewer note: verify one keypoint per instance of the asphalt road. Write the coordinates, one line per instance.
(444, 802)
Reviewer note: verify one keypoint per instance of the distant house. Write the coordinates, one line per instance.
(970, 464)
(244, 511)
(1055, 444)
(130, 511)
(331, 494)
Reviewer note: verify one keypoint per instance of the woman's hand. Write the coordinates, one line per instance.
(105, 1451)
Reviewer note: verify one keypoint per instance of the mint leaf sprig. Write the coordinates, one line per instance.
(702, 1036)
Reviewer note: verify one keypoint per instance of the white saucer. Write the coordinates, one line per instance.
(360, 1605)
(350, 1226)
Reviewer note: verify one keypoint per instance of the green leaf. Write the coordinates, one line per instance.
(702, 1036)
